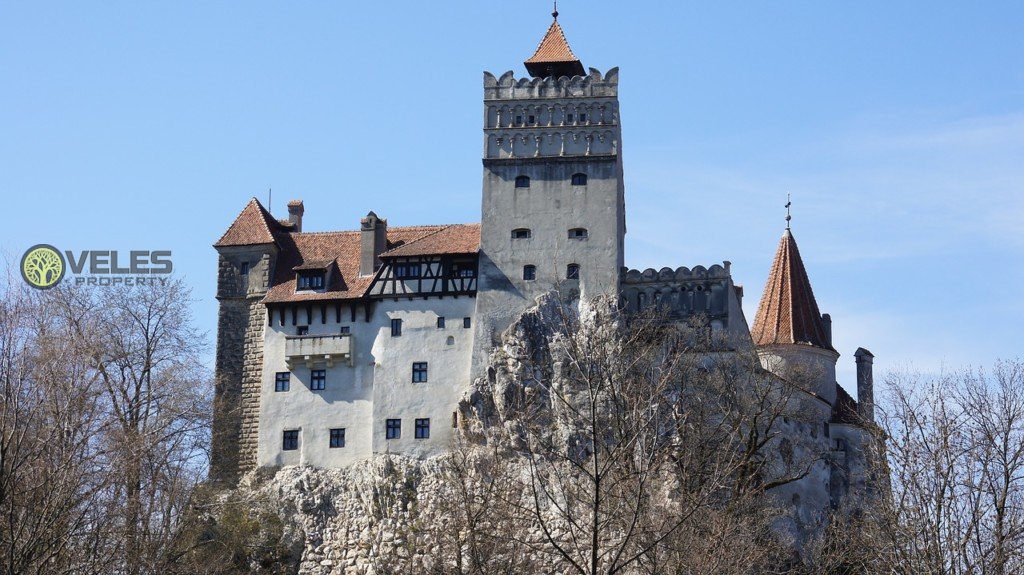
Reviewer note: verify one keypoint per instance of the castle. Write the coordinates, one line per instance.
(336, 346)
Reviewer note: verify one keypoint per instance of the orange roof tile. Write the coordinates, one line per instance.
(341, 248)
(254, 225)
(553, 47)
(788, 312)
(454, 239)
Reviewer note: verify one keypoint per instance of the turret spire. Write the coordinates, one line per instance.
(788, 313)
(554, 57)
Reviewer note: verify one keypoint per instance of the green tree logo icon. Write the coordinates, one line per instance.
(42, 266)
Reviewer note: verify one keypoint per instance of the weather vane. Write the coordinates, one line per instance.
(555, 13)
(789, 203)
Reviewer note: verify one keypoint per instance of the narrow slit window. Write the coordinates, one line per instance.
(396, 327)
(440, 322)
(466, 322)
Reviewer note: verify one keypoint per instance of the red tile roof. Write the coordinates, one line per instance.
(254, 225)
(845, 408)
(319, 249)
(788, 313)
(553, 47)
(454, 239)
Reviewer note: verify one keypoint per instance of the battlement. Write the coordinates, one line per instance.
(683, 292)
(593, 85)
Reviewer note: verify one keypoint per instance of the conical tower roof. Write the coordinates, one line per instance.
(788, 313)
(554, 57)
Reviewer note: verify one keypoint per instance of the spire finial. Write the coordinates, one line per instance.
(555, 13)
(789, 203)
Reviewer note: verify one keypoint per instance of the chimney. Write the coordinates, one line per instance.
(826, 322)
(295, 211)
(373, 242)
(865, 384)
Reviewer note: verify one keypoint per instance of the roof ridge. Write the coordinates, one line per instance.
(421, 238)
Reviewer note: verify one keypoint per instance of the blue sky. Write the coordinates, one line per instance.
(897, 127)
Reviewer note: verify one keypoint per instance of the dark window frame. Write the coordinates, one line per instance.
(572, 272)
(310, 281)
(522, 181)
(420, 371)
(302, 330)
(392, 428)
(467, 322)
(290, 440)
(396, 327)
(578, 233)
(440, 322)
(282, 381)
(529, 272)
(317, 379)
(522, 234)
(336, 438)
(422, 430)
(408, 270)
(579, 179)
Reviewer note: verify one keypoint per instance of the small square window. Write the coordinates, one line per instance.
(423, 428)
(318, 379)
(345, 329)
(440, 322)
(290, 440)
(522, 181)
(572, 272)
(529, 273)
(466, 322)
(396, 327)
(419, 372)
(519, 120)
(393, 429)
(583, 118)
(337, 437)
(244, 268)
(302, 330)
(282, 381)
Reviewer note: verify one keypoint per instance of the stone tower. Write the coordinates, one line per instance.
(247, 254)
(553, 203)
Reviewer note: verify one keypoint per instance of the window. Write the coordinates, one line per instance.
(529, 273)
(579, 179)
(393, 429)
(318, 379)
(572, 272)
(521, 234)
(440, 322)
(407, 270)
(463, 269)
(244, 268)
(455, 419)
(419, 372)
(337, 437)
(531, 119)
(519, 120)
(396, 327)
(302, 330)
(568, 118)
(345, 329)
(311, 280)
(578, 234)
(282, 381)
(423, 428)
(290, 440)
(522, 181)
(466, 322)
(583, 117)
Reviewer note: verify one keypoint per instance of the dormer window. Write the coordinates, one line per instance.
(310, 280)
(579, 179)
(407, 270)
(522, 181)
(521, 234)
(578, 234)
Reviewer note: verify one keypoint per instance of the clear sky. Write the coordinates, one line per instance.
(897, 126)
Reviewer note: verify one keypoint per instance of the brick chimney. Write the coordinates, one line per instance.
(865, 384)
(295, 211)
(373, 242)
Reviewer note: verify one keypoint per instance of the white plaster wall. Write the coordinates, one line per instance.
(377, 386)
(803, 365)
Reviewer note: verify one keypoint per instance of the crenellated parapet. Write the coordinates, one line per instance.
(551, 117)
(593, 85)
(683, 292)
